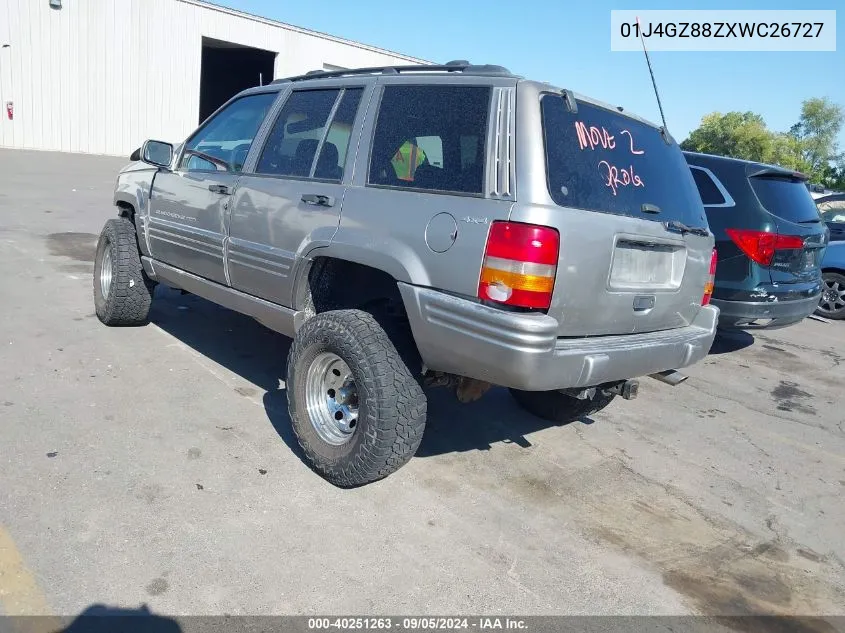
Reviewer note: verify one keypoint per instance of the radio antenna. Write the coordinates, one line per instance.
(651, 72)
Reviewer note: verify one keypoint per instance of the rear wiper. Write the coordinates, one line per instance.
(679, 227)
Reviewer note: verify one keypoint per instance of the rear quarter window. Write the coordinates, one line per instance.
(601, 160)
(431, 138)
(707, 188)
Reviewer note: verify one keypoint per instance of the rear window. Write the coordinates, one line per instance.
(600, 160)
(786, 198)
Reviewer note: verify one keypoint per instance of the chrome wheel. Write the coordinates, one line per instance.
(105, 272)
(331, 398)
(833, 296)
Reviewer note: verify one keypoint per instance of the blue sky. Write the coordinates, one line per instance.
(567, 42)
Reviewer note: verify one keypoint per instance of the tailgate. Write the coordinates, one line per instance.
(802, 235)
(624, 198)
(799, 264)
(622, 275)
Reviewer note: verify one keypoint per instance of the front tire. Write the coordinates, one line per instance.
(356, 409)
(832, 301)
(122, 291)
(558, 407)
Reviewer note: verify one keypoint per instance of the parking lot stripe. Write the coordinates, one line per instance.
(19, 591)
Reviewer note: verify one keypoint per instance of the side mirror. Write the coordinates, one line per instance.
(157, 153)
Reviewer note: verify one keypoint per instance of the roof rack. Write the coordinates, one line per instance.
(457, 66)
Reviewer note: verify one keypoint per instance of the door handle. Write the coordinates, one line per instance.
(218, 189)
(318, 199)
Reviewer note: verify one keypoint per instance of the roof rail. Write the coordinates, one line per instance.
(456, 66)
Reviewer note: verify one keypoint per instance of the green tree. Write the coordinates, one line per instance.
(787, 151)
(820, 123)
(735, 134)
(810, 146)
(834, 177)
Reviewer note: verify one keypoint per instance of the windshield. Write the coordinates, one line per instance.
(601, 160)
(786, 198)
(832, 210)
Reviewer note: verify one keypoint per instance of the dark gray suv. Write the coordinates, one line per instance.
(444, 225)
(769, 238)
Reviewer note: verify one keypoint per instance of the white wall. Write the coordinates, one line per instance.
(100, 76)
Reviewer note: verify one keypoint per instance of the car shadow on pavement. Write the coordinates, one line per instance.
(728, 341)
(100, 618)
(230, 339)
(453, 427)
(259, 355)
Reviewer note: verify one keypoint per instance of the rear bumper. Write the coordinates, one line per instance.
(523, 351)
(771, 314)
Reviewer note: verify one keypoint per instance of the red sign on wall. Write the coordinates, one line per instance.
(10, 110)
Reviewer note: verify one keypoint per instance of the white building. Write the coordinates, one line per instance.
(100, 76)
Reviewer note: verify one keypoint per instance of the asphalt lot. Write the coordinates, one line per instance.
(156, 465)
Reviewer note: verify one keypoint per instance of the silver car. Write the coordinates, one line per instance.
(426, 225)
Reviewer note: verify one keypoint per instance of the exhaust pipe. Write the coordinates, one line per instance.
(670, 377)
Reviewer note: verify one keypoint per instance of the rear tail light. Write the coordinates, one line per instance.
(520, 263)
(711, 280)
(760, 246)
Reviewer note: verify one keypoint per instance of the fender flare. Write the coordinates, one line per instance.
(408, 269)
(123, 199)
(132, 195)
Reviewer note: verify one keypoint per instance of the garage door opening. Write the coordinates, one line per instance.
(228, 68)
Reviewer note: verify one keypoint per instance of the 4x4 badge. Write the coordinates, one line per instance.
(470, 220)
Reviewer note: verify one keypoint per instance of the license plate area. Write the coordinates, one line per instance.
(812, 258)
(646, 266)
(797, 261)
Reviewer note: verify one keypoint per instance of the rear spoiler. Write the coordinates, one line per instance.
(776, 172)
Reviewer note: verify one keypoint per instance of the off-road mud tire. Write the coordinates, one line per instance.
(392, 405)
(130, 293)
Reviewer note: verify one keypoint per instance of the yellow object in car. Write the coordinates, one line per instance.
(406, 160)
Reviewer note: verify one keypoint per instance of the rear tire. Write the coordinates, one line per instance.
(832, 301)
(342, 366)
(122, 291)
(555, 406)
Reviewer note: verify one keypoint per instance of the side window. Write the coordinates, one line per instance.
(431, 137)
(223, 143)
(336, 144)
(469, 151)
(707, 189)
(295, 137)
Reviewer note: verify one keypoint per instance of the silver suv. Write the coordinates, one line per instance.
(427, 225)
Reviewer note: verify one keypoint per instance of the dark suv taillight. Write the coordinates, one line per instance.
(760, 246)
(520, 263)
